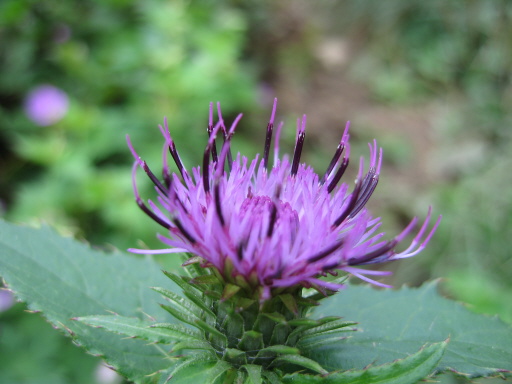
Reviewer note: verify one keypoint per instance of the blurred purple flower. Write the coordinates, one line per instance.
(6, 300)
(106, 375)
(268, 229)
(46, 105)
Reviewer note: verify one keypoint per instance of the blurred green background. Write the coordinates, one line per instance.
(431, 80)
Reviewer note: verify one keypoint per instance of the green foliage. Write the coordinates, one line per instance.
(406, 371)
(476, 237)
(31, 352)
(397, 323)
(124, 65)
(419, 49)
(66, 280)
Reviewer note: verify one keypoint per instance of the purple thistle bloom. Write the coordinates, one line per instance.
(46, 105)
(268, 229)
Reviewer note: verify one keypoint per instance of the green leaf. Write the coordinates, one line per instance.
(146, 330)
(182, 282)
(301, 361)
(329, 327)
(406, 371)
(192, 344)
(395, 323)
(196, 371)
(67, 279)
(214, 332)
(281, 349)
(196, 308)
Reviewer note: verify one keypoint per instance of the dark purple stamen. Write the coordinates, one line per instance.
(206, 158)
(298, 145)
(268, 137)
(326, 252)
(339, 173)
(240, 252)
(373, 257)
(218, 206)
(183, 231)
(151, 214)
(210, 132)
(336, 157)
(334, 161)
(154, 179)
(273, 218)
(226, 136)
(177, 160)
(273, 211)
(206, 170)
(369, 184)
(350, 206)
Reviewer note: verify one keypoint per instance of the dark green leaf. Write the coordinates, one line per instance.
(192, 344)
(146, 330)
(300, 361)
(194, 304)
(66, 279)
(211, 330)
(406, 371)
(396, 323)
(280, 350)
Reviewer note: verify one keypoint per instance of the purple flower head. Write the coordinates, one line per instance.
(46, 105)
(271, 228)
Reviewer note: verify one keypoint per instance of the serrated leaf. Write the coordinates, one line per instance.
(300, 361)
(318, 342)
(65, 279)
(280, 350)
(194, 333)
(134, 327)
(311, 324)
(185, 306)
(180, 315)
(303, 322)
(212, 330)
(183, 283)
(196, 308)
(406, 371)
(396, 323)
(192, 344)
(334, 325)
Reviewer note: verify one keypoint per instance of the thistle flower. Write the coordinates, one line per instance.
(272, 228)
